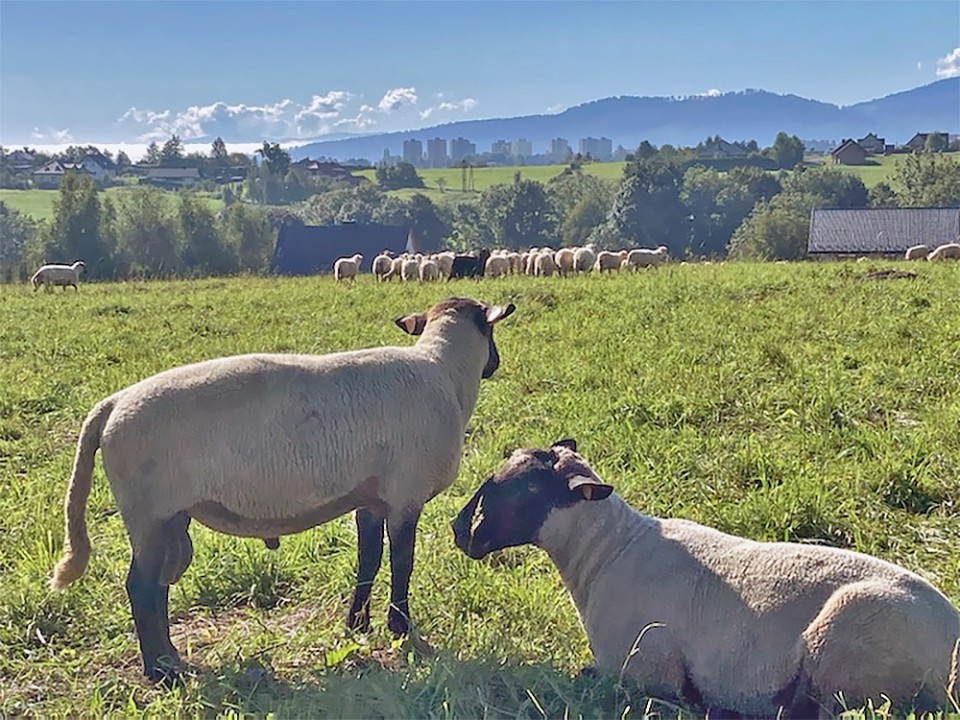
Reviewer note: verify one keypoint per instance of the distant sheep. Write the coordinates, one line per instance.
(410, 269)
(917, 252)
(469, 265)
(564, 260)
(445, 263)
(544, 265)
(382, 265)
(347, 268)
(713, 620)
(584, 259)
(63, 275)
(268, 445)
(429, 270)
(497, 266)
(607, 261)
(644, 257)
(950, 251)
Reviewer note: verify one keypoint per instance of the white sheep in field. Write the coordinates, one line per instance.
(382, 265)
(713, 620)
(544, 265)
(950, 251)
(497, 266)
(645, 257)
(269, 445)
(564, 261)
(63, 275)
(607, 261)
(410, 270)
(515, 260)
(429, 270)
(917, 252)
(584, 259)
(347, 268)
(445, 263)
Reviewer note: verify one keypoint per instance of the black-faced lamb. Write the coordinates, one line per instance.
(713, 620)
(273, 444)
(63, 275)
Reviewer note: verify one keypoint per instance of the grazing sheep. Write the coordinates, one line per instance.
(497, 266)
(469, 265)
(347, 268)
(516, 260)
(584, 259)
(445, 263)
(63, 275)
(429, 270)
(917, 252)
(410, 270)
(644, 257)
(382, 265)
(564, 261)
(710, 619)
(544, 265)
(607, 261)
(950, 251)
(269, 445)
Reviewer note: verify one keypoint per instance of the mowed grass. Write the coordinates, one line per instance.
(879, 168)
(780, 402)
(38, 204)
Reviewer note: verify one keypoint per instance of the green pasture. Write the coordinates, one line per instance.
(799, 402)
(38, 204)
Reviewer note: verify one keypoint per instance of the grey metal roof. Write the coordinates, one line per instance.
(881, 230)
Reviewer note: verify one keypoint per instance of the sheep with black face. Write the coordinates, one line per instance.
(715, 620)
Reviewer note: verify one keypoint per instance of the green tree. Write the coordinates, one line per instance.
(645, 151)
(17, 231)
(648, 210)
(149, 232)
(401, 175)
(428, 226)
(123, 160)
(582, 219)
(935, 142)
(75, 231)
(777, 229)
(928, 179)
(218, 150)
(276, 158)
(519, 214)
(787, 151)
(882, 195)
(826, 187)
(171, 154)
(248, 231)
(152, 156)
(203, 248)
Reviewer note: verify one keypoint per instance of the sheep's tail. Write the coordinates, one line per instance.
(76, 544)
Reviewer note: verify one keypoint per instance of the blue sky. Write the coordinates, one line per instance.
(135, 70)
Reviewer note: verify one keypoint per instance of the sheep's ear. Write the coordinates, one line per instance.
(589, 487)
(499, 312)
(412, 324)
(568, 443)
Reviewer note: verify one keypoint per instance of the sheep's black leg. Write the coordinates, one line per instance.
(369, 555)
(402, 531)
(148, 601)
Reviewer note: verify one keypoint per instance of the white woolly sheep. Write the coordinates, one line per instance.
(516, 260)
(584, 259)
(497, 266)
(713, 620)
(445, 263)
(564, 261)
(269, 445)
(917, 252)
(544, 266)
(382, 265)
(410, 270)
(346, 268)
(950, 251)
(63, 275)
(644, 257)
(607, 261)
(429, 270)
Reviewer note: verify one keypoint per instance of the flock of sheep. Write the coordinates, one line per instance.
(273, 444)
(541, 262)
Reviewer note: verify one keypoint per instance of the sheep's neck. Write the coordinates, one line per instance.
(584, 539)
(461, 351)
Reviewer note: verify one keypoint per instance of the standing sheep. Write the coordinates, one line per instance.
(710, 619)
(950, 251)
(917, 252)
(429, 270)
(410, 269)
(347, 268)
(607, 261)
(497, 266)
(269, 445)
(64, 275)
(564, 261)
(382, 265)
(543, 264)
(584, 259)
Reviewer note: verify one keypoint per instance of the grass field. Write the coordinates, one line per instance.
(780, 402)
(38, 204)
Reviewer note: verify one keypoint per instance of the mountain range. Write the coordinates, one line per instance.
(747, 115)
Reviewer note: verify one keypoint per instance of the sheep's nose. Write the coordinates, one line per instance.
(461, 534)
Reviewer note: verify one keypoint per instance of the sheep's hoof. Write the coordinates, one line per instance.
(272, 543)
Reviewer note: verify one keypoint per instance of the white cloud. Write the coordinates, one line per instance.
(57, 136)
(137, 151)
(311, 120)
(949, 65)
(359, 122)
(397, 98)
(465, 106)
(712, 92)
(554, 109)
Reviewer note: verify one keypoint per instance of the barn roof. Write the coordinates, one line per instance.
(312, 249)
(881, 230)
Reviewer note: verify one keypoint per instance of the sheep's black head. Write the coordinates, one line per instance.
(485, 317)
(511, 506)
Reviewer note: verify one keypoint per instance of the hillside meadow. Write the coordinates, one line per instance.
(38, 204)
(780, 402)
